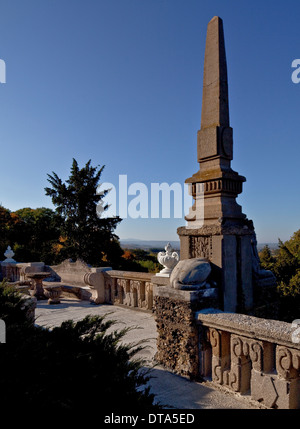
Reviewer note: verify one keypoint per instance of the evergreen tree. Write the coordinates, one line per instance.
(287, 272)
(266, 259)
(286, 263)
(85, 235)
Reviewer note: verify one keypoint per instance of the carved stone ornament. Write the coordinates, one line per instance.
(169, 259)
(191, 274)
(9, 253)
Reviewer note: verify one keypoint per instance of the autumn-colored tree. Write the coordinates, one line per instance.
(36, 235)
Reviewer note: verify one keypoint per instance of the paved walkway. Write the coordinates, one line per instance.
(170, 389)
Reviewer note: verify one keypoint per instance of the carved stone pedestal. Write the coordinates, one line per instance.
(53, 293)
(230, 252)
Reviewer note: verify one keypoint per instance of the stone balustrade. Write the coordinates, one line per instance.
(252, 356)
(98, 285)
(132, 289)
(9, 271)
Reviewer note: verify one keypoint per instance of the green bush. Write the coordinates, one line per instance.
(11, 305)
(76, 366)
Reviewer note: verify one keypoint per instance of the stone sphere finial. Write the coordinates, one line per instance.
(191, 274)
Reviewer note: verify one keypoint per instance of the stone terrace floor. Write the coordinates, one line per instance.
(171, 390)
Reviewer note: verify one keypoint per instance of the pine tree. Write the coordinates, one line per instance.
(85, 235)
(266, 259)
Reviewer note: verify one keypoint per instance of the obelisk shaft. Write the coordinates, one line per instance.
(215, 110)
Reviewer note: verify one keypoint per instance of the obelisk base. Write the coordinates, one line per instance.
(230, 252)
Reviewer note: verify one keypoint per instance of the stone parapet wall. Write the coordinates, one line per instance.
(128, 288)
(17, 272)
(177, 341)
(253, 356)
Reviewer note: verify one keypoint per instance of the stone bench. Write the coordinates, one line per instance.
(76, 279)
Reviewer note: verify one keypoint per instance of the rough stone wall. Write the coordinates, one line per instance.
(177, 341)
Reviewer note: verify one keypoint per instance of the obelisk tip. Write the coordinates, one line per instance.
(216, 18)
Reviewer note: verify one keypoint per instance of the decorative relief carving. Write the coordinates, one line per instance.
(220, 358)
(214, 338)
(200, 247)
(248, 348)
(215, 341)
(149, 295)
(247, 366)
(232, 367)
(130, 292)
(217, 372)
(107, 290)
(287, 362)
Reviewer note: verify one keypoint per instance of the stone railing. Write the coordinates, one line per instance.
(252, 356)
(99, 285)
(14, 272)
(9, 272)
(132, 289)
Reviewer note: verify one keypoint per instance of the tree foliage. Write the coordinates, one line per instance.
(285, 264)
(37, 235)
(267, 260)
(33, 234)
(141, 260)
(85, 234)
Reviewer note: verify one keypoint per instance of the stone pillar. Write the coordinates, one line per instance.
(9, 266)
(25, 268)
(177, 342)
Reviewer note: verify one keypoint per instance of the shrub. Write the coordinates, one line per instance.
(11, 305)
(76, 366)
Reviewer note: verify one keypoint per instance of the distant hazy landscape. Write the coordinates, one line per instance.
(134, 243)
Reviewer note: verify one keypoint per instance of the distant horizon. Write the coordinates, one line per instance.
(139, 240)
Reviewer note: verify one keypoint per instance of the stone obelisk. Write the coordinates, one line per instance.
(216, 227)
(216, 230)
(215, 182)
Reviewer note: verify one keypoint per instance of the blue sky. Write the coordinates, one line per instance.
(120, 82)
